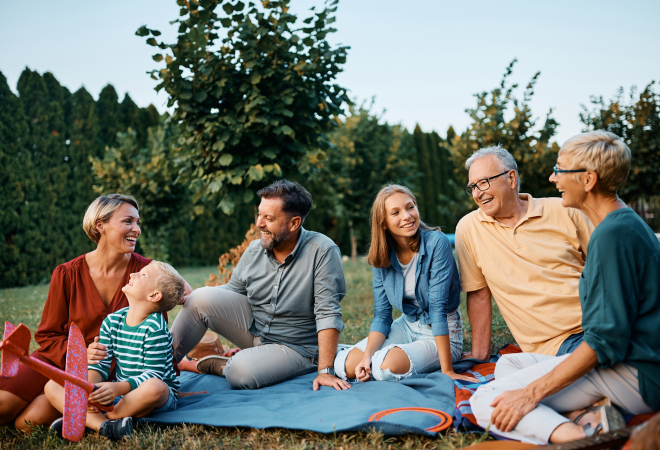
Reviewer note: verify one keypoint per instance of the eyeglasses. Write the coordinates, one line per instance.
(482, 185)
(557, 170)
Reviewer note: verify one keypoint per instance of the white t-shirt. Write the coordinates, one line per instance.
(409, 277)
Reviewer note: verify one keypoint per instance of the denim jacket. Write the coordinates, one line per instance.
(437, 287)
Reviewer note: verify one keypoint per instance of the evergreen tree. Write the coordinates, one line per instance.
(110, 121)
(82, 143)
(426, 170)
(438, 189)
(16, 186)
(41, 97)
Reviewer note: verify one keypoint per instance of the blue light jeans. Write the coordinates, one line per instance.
(416, 340)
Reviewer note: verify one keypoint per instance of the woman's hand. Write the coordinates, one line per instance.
(510, 407)
(186, 293)
(96, 352)
(363, 369)
(455, 376)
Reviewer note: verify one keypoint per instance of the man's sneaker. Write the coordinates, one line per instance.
(117, 429)
(213, 364)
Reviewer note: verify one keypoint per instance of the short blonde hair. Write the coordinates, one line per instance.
(602, 152)
(170, 284)
(102, 209)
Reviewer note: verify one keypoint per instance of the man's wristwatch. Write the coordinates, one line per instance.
(330, 370)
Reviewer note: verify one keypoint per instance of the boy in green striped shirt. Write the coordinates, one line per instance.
(141, 343)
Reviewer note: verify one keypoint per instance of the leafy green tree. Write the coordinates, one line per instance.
(366, 154)
(253, 102)
(531, 147)
(173, 229)
(637, 122)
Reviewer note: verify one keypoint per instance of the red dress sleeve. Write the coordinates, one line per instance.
(53, 333)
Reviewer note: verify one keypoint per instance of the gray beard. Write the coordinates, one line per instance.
(275, 240)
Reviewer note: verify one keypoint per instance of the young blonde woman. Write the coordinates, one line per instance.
(413, 271)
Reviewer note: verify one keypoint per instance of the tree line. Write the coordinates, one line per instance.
(253, 99)
(48, 140)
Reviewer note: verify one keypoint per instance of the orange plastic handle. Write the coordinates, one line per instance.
(443, 425)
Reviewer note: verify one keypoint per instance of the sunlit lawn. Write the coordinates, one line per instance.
(24, 305)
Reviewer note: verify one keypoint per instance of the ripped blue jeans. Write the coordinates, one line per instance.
(416, 340)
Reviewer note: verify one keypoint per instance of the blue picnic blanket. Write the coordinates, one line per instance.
(294, 405)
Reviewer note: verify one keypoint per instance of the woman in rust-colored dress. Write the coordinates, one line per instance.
(82, 291)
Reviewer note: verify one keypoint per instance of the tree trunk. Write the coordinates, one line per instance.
(353, 245)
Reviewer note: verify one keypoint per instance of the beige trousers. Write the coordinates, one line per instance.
(229, 314)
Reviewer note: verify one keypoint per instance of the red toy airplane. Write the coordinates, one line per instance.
(15, 347)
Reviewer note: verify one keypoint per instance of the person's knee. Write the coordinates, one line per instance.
(51, 389)
(506, 365)
(10, 407)
(240, 372)
(39, 412)
(153, 390)
(352, 360)
(391, 364)
(200, 298)
(396, 361)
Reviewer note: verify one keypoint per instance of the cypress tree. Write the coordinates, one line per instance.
(436, 177)
(425, 168)
(109, 116)
(130, 113)
(46, 231)
(83, 142)
(16, 183)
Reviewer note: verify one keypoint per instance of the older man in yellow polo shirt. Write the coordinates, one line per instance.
(527, 253)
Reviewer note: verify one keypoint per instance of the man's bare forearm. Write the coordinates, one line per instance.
(480, 313)
(328, 340)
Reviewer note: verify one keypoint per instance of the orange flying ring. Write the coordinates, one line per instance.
(444, 423)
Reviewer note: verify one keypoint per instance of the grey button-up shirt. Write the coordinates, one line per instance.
(293, 301)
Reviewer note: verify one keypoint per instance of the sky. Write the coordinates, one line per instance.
(422, 60)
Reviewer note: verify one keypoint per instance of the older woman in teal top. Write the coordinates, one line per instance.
(619, 358)
(415, 272)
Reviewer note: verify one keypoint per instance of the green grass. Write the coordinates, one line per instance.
(24, 305)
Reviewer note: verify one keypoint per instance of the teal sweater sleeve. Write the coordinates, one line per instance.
(608, 311)
(620, 297)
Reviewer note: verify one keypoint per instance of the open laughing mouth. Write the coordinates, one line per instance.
(485, 202)
(131, 239)
(408, 225)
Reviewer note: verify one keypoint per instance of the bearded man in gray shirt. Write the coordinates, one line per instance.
(281, 305)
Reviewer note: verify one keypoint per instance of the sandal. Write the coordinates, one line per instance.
(609, 419)
(213, 364)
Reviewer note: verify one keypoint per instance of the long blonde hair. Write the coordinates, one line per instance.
(381, 239)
